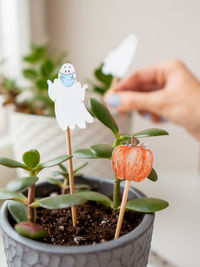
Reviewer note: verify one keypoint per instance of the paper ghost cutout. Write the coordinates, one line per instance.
(118, 60)
(68, 96)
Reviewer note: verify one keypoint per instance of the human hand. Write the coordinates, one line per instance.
(165, 90)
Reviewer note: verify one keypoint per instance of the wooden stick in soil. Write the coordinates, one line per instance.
(71, 176)
(31, 199)
(122, 209)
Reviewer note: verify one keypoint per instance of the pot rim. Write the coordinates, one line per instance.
(56, 249)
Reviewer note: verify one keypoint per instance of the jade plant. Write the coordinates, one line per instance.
(61, 178)
(104, 151)
(24, 209)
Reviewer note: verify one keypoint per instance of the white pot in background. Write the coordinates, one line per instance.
(42, 133)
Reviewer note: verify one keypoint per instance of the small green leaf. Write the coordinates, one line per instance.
(96, 197)
(105, 79)
(153, 175)
(31, 158)
(102, 113)
(79, 168)
(12, 163)
(85, 154)
(55, 181)
(18, 211)
(47, 68)
(79, 187)
(63, 168)
(7, 195)
(37, 53)
(31, 230)
(20, 184)
(102, 151)
(42, 84)
(151, 132)
(52, 162)
(147, 205)
(61, 201)
(30, 74)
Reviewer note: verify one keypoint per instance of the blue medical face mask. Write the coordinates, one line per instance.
(67, 79)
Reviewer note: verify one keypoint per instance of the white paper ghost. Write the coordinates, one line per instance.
(118, 60)
(69, 96)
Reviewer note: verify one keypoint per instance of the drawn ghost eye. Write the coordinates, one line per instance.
(68, 71)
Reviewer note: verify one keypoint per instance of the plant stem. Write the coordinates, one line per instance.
(65, 184)
(116, 193)
(31, 198)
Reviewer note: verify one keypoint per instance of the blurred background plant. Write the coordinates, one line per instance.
(40, 66)
(102, 81)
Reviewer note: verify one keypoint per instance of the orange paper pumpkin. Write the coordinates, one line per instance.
(131, 162)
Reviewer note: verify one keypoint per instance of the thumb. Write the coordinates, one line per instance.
(127, 101)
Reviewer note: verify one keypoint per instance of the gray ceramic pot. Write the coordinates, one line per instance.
(131, 250)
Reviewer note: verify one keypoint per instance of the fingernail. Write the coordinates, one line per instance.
(162, 119)
(113, 100)
(147, 116)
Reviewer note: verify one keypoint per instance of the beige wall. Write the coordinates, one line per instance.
(89, 28)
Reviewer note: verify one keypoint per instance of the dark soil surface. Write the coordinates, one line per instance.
(95, 224)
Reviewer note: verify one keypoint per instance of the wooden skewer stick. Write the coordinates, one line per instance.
(122, 209)
(71, 175)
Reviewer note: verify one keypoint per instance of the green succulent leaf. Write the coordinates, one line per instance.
(102, 113)
(75, 171)
(30, 74)
(31, 158)
(61, 201)
(153, 175)
(150, 132)
(18, 211)
(55, 181)
(37, 53)
(146, 205)
(105, 79)
(42, 85)
(85, 154)
(63, 168)
(102, 151)
(20, 184)
(79, 187)
(12, 163)
(47, 67)
(99, 90)
(52, 162)
(31, 230)
(96, 197)
(7, 195)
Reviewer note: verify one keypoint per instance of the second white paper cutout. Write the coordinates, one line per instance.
(69, 96)
(118, 60)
